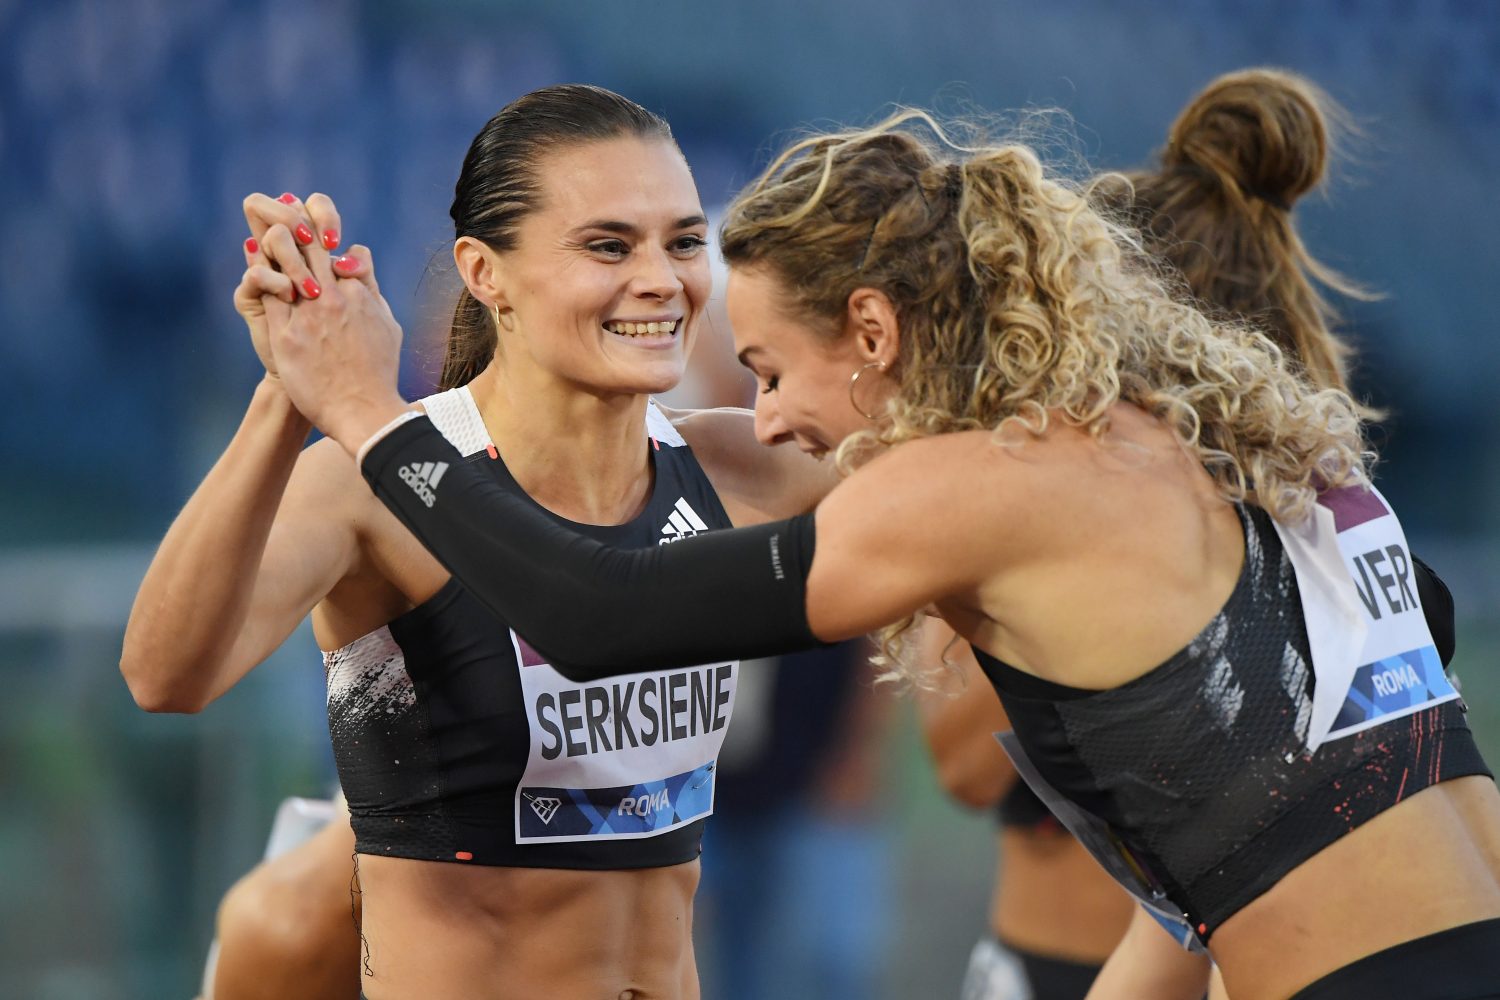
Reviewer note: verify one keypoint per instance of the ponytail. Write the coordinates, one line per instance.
(1238, 158)
(471, 342)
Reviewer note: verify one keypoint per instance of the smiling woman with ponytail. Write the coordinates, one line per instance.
(487, 865)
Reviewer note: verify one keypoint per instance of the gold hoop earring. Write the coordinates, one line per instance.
(853, 382)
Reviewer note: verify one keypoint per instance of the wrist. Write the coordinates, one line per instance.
(358, 421)
(373, 439)
(270, 396)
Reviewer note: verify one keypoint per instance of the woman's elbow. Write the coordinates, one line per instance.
(167, 702)
(974, 785)
(971, 794)
(156, 695)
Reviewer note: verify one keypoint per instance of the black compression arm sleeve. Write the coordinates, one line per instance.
(1437, 606)
(591, 608)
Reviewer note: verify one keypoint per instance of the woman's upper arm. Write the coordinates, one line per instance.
(897, 536)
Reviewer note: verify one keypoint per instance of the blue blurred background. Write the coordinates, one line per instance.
(131, 129)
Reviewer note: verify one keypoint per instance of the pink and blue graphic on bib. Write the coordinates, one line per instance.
(1393, 685)
(630, 810)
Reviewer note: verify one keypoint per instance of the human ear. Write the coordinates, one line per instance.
(871, 319)
(480, 268)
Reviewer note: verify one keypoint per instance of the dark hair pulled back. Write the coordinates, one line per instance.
(499, 186)
(1238, 158)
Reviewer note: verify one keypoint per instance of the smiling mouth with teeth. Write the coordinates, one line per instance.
(624, 329)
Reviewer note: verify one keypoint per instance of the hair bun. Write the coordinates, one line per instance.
(1261, 131)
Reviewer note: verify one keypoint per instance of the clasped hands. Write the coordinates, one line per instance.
(317, 320)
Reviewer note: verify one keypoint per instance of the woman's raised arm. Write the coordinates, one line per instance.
(261, 540)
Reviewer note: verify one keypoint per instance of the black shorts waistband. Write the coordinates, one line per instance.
(1461, 963)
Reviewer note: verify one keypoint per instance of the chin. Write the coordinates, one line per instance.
(652, 379)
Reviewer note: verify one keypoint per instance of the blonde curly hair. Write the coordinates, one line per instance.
(1020, 304)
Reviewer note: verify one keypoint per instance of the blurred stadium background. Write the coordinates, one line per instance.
(131, 129)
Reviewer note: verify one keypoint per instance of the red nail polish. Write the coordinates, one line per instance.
(303, 234)
(310, 288)
(251, 247)
(330, 238)
(287, 198)
(346, 265)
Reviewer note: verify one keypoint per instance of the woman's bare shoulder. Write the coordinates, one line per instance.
(756, 482)
(955, 484)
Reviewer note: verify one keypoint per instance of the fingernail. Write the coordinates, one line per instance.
(304, 235)
(287, 198)
(346, 265)
(310, 288)
(330, 238)
(252, 247)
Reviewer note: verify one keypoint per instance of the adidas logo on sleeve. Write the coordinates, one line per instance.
(683, 522)
(423, 478)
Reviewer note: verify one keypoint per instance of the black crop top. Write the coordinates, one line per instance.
(456, 741)
(1199, 767)
(1197, 772)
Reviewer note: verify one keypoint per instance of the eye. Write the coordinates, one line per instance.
(772, 381)
(688, 246)
(609, 248)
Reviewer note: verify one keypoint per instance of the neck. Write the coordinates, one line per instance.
(580, 453)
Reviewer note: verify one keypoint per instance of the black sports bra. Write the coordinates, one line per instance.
(455, 741)
(1199, 767)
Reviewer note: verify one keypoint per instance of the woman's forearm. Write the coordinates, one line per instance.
(194, 598)
(591, 608)
(1148, 963)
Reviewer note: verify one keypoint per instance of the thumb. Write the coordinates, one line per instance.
(278, 313)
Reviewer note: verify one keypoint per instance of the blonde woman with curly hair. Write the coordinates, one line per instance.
(1217, 207)
(1161, 542)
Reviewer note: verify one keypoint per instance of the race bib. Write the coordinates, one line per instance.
(622, 757)
(1372, 653)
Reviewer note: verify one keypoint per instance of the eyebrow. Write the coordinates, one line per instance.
(629, 229)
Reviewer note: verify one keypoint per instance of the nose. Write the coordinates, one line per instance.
(656, 275)
(769, 427)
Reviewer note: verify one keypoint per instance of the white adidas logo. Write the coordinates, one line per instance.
(683, 522)
(545, 807)
(423, 478)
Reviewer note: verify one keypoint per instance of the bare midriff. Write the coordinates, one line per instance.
(1053, 899)
(455, 932)
(1429, 864)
